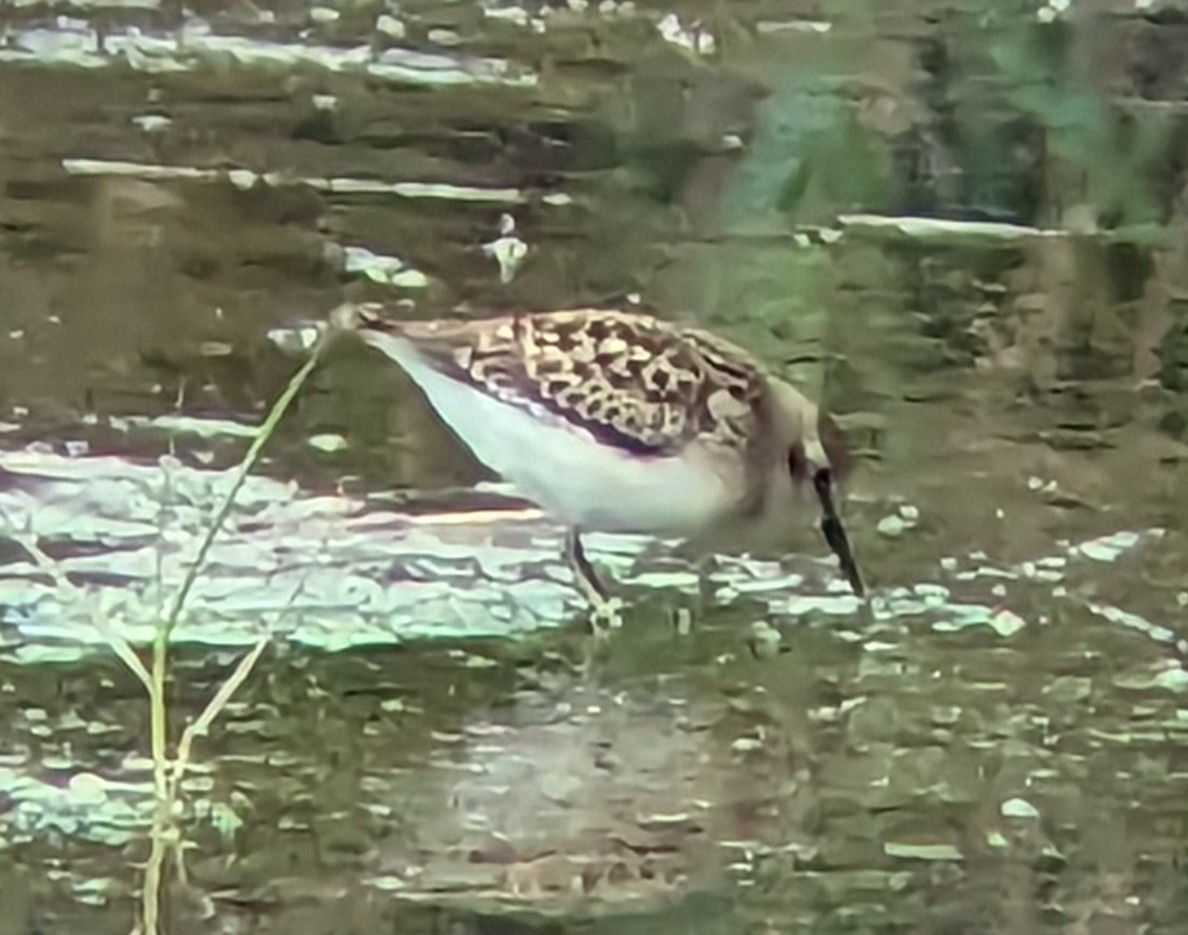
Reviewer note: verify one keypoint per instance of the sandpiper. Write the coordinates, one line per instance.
(614, 421)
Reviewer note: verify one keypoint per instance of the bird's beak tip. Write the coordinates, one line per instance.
(835, 533)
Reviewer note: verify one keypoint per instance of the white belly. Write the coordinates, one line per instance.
(562, 468)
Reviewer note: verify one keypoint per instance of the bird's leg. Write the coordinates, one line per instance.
(605, 610)
(688, 609)
(705, 587)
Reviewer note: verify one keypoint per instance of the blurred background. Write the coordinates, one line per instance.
(961, 224)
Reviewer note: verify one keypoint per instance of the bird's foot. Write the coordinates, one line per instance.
(606, 615)
(685, 610)
(682, 619)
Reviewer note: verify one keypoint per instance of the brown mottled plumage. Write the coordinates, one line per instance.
(621, 377)
(685, 433)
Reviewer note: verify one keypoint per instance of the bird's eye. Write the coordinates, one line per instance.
(797, 463)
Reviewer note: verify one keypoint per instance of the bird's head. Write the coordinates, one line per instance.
(815, 453)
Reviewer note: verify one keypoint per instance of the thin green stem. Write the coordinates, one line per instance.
(53, 569)
(241, 473)
(159, 714)
(165, 839)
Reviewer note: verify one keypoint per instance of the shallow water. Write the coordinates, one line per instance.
(960, 225)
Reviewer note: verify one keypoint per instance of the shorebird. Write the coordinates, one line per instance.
(613, 421)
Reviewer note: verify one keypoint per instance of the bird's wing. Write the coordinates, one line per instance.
(630, 380)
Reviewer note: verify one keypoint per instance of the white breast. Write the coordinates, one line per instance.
(581, 482)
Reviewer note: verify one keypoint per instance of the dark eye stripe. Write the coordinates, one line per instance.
(796, 461)
(837, 449)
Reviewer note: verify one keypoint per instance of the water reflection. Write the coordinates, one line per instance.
(961, 225)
